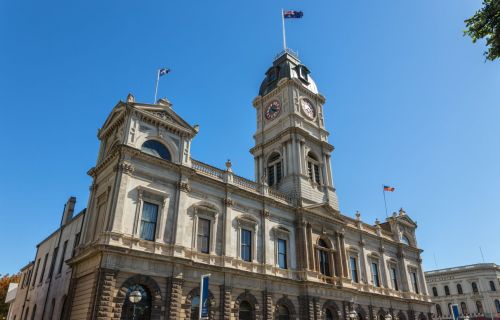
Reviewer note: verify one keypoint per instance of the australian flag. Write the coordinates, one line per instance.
(288, 14)
(163, 71)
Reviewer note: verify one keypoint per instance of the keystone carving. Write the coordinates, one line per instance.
(184, 186)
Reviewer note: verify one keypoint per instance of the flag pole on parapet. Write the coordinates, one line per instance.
(288, 14)
(384, 190)
(161, 72)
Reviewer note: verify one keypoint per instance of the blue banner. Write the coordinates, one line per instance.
(454, 311)
(204, 297)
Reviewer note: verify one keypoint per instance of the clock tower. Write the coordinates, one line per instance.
(291, 151)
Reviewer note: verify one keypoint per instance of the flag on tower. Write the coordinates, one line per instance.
(287, 14)
(389, 188)
(163, 71)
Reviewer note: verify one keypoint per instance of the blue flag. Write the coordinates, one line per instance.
(287, 14)
(163, 71)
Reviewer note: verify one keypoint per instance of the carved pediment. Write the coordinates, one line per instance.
(325, 210)
(166, 116)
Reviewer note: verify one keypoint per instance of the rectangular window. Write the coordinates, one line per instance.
(282, 254)
(310, 170)
(375, 275)
(278, 172)
(354, 269)
(63, 255)
(270, 175)
(203, 235)
(415, 282)
(246, 245)
(75, 244)
(53, 262)
(43, 268)
(394, 279)
(316, 173)
(148, 221)
(36, 272)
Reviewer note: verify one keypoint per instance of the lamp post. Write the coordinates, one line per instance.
(134, 297)
(353, 315)
(388, 316)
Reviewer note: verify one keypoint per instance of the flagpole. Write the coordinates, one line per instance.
(156, 86)
(284, 34)
(385, 202)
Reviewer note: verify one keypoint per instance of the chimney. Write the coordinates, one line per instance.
(69, 207)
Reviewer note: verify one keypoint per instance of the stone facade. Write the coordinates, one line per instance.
(276, 248)
(474, 288)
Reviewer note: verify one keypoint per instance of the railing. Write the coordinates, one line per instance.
(278, 194)
(245, 183)
(208, 169)
(289, 51)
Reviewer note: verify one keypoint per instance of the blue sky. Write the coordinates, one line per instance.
(410, 103)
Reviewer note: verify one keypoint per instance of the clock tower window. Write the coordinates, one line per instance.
(274, 169)
(313, 168)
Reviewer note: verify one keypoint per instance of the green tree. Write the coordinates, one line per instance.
(4, 285)
(485, 23)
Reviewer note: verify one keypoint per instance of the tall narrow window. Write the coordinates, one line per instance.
(63, 254)
(53, 262)
(246, 245)
(324, 259)
(36, 272)
(463, 306)
(148, 221)
(446, 290)
(282, 259)
(274, 169)
(33, 314)
(479, 307)
(474, 288)
(203, 240)
(434, 291)
(394, 279)
(354, 269)
(313, 168)
(375, 275)
(492, 286)
(75, 244)
(438, 310)
(43, 268)
(459, 289)
(415, 281)
(497, 305)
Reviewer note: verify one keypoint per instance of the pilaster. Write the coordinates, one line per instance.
(174, 298)
(267, 305)
(104, 296)
(225, 302)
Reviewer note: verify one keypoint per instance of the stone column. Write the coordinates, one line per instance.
(344, 254)
(225, 302)
(174, 298)
(310, 248)
(306, 308)
(104, 294)
(267, 305)
(340, 256)
(317, 309)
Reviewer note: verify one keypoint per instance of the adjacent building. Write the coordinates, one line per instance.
(277, 247)
(474, 288)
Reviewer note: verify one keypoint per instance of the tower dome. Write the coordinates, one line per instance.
(287, 65)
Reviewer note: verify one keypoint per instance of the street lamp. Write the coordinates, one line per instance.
(135, 297)
(353, 315)
(388, 316)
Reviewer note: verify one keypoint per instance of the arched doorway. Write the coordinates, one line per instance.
(328, 314)
(246, 311)
(140, 310)
(283, 313)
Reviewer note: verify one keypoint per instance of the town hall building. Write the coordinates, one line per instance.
(277, 247)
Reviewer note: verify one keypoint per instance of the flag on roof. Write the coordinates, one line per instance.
(163, 71)
(389, 188)
(287, 14)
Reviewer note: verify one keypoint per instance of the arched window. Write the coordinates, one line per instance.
(313, 168)
(459, 289)
(52, 307)
(324, 258)
(195, 308)
(463, 306)
(246, 311)
(283, 313)
(446, 290)
(479, 307)
(497, 305)
(63, 307)
(26, 314)
(156, 149)
(434, 291)
(492, 286)
(438, 310)
(140, 310)
(328, 314)
(274, 169)
(449, 309)
(474, 288)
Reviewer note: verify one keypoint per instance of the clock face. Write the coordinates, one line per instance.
(308, 108)
(273, 110)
